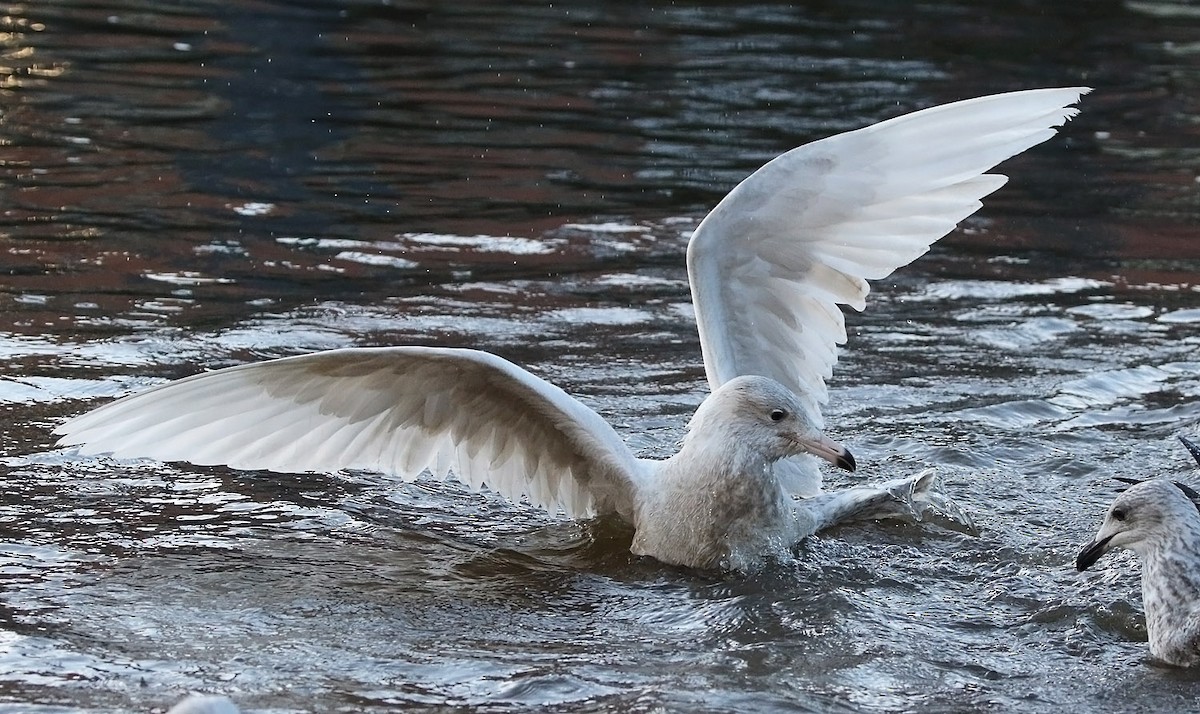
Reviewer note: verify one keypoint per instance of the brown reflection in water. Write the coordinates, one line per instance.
(100, 192)
(548, 141)
(90, 179)
(138, 139)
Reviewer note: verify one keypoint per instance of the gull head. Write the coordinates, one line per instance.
(1140, 518)
(761, 415)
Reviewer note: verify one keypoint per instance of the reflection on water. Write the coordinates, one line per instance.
(192, 185)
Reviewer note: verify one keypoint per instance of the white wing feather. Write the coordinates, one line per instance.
(395, 410)
(770, 265)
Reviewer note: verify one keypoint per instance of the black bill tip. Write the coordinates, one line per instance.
(846, 461)
(1091, 553)
(1191, 447)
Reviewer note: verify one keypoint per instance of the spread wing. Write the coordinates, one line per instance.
(396, 410)
(770, 265)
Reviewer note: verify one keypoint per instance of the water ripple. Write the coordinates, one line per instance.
(189, 186)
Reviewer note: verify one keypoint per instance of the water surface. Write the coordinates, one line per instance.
(192, 185)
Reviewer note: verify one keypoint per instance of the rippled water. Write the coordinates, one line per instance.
(186, 185)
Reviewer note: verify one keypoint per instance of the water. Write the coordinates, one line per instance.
(188, 185)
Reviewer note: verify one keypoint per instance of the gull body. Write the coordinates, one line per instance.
(1158, 520)
(718, 500)
(769, 268)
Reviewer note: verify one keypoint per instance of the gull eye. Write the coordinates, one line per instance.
(1119, 514)
(778, 414)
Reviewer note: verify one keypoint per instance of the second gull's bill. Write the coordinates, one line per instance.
(769, 267)
(1160, 521)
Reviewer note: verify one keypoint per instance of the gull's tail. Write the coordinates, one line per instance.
(916, 498)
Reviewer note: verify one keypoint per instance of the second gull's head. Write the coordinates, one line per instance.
(1139, 519)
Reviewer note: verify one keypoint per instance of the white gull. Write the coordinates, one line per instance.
(769, 268)
(1160, 521)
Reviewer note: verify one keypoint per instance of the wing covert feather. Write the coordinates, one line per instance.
(396, 410)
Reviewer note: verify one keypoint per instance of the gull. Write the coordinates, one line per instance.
(1160, 521)
(769, 268)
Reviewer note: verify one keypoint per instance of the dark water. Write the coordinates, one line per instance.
(186, 185)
